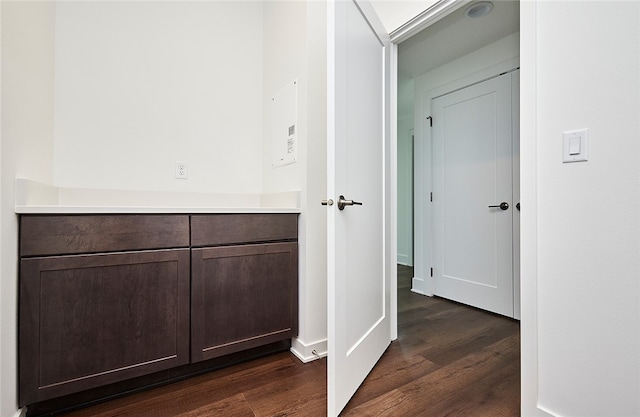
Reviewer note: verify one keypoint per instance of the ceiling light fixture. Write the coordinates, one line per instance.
(479, 9)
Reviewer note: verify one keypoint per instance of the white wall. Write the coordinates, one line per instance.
(295, 49)
(585, 321)
(405, 191)
(405, 171)
(26, 150)
(141, 85)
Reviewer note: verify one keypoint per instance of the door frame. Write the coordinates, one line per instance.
(528, 185)
(423, 283)
(529, 217)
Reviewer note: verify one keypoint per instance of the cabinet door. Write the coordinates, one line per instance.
(90, 320)
(242, 297)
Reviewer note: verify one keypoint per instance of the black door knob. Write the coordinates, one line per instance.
(502, 206)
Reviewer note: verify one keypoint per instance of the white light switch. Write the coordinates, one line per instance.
(574, 147)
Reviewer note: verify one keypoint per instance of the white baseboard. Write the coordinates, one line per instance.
(419, 286)
(403, 259)
(419, 292)
(309, 352)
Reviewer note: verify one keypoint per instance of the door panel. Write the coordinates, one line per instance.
(359, 322)
(472, 151)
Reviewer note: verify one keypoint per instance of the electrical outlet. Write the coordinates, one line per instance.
(181, 170)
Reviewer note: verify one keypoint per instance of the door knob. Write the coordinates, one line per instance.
(342, 203)
(328, 202)
(503, 206)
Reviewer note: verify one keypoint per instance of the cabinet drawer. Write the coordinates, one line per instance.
(69, 234)
(223, 229)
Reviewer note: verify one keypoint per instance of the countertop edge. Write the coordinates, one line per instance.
(35, 209)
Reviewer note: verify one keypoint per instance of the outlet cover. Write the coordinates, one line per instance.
(181, 170)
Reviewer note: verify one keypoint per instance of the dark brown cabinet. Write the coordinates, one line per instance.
(241, 297)
(104, 299)
(90, 319)
(243, 294)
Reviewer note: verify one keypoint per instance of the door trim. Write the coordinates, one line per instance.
(391, 185)
(434, 13)
(529, 395)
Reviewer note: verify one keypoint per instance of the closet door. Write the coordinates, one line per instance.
(473, 202)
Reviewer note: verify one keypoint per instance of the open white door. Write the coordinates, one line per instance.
(358, 310)
(473, 200)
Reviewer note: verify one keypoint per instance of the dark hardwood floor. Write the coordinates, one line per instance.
(449, 360)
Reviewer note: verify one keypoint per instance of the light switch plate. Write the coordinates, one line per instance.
(575, 145)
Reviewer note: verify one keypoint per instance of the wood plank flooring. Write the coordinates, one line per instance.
(449, 360)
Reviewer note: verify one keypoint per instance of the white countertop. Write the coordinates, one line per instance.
(38, 198)
(148, 210)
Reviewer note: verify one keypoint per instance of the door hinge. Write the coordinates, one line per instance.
(430, 119)
(431, 197)
(431, 271)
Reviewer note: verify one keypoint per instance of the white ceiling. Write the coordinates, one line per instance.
(454, 36)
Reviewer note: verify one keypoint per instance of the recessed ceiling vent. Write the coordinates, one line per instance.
(479, 9)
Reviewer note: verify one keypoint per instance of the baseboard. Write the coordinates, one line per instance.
(309, 352)
(541, 411)
(404, 259)
(419, 286)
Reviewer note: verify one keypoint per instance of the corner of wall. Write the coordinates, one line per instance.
(26, 150)
(294, 48)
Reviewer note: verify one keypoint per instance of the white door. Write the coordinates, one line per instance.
(472, 195)
(358, 288)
